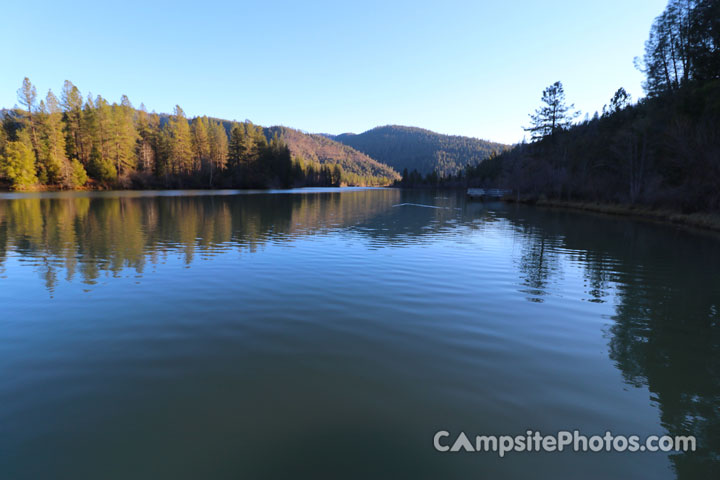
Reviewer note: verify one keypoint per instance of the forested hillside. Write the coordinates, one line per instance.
(309, 148)
(414, 148)
(80, 142)
(662, 152)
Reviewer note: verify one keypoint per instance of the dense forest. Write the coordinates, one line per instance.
(418, 149)
(661, 152)
(75, 142)
(358, 168)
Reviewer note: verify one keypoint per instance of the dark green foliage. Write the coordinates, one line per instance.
(101, 168)
(236, 147)
(17, 164)
(278, 164)
(419, 149)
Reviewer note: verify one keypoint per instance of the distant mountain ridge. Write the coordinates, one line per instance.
(419, 149)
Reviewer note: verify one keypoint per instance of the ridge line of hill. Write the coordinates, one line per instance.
(414, 148)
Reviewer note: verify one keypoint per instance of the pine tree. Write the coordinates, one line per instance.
(620, 101)
(337, 175)
(51, 160)
(123, 137)
(101, 168)
(148, 128)
(17, 164)
(103, 136)
(218, 148)
(3, 137)
(78, 176)
(554, 115)
(97, 128)
(179, 146)
(705, 40)
(200, 144)
(255, 141)
(278, 162)
(237, 147)
(72, 105)
(27, 95)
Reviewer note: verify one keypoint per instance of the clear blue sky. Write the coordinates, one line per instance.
(472, 68)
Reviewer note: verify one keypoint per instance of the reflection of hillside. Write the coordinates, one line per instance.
(666, 330)
(109, 233)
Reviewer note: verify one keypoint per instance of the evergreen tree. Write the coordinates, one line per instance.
(620, 101)
(148, 127)
(255, 146)
(237, 151)
(123, 137)
(279, 164)
(101, 168)
(200, 144)
(683, 47)
(78, 176)
(553, 115)
(17, 164)
(51, 161)
(178, 143)
(705, 40)
(101, 124)
(337, 175)
(3, 137)
(27, 95)
(218, 151)
(96, 130)
(255, 141)
(666, 62)
(72, 105)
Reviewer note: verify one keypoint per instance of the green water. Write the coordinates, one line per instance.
(328, 334)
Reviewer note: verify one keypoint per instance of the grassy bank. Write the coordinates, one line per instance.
(707, 221)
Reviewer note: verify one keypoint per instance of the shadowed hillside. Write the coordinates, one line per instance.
(662, 152)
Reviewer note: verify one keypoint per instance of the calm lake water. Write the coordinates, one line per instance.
(330, 334)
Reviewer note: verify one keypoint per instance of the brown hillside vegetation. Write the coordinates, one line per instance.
(319, 149)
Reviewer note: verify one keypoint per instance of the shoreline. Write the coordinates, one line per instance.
(703, 221)
(98, 188)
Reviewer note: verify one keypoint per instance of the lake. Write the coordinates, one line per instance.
(330, 333)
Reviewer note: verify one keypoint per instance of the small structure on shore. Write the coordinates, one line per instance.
(487, 193)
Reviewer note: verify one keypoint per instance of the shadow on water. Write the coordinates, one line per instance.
(663, 283)
(665, 333)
